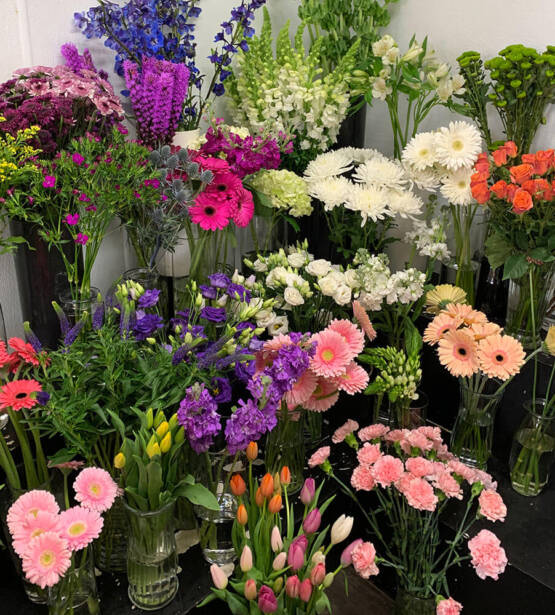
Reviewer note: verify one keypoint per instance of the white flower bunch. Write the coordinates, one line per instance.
(429, 240)
(444, 159)
(376, 188)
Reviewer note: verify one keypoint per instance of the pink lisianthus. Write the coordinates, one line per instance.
(95, 489)
(80, 526)
(488, 556)
(492, 506)
(354, 380)
(364, 560)
(30, 504)
(419, 466)
(446, 483)
(46, 559)
(368, 454)
(362, 479)
(448, 606)
(352, 335)
(418, 492)
(372, 432)
(319, 457)
(387, 470)
(342, 432)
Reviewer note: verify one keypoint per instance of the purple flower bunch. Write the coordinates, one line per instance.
(78, 62)
(158, 89)
(198, 414)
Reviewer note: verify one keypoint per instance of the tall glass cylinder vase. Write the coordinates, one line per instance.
(533, 450)
(465, 267)
(529, 298)
(410, 604)
(76, 593)
(409, 413)
(472, 435)
(75, 307)
(152, 557)
(110, 548)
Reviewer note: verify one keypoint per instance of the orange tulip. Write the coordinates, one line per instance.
(252, 451)
(285, 476)
(259, 498)
(242, 515)
(267, 486)
(237, 484)
(275, 504)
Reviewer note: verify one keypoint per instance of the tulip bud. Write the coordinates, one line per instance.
(312, 522)
(237, 484)
(173, 420)
(277, 483)
(149, 418)
(166, 443)
(279, 561)
(267, 486)
(275, 540)
(219, 577)
(242, 515)
(302, 541)
(295, 556)
(305, 590)
(317, 574)
(341, 529)
(274, 505)
(152, 450)
(328, 579)
(308, 491)
(180, 435)
(246, 559)
(278, 585)
(285, 476)
(292, 586)
(119, 461)
(347, 555)
(267, 601)
(319, 557)
(252, 451)
(159, 419)
(259, 498)
(250, 589)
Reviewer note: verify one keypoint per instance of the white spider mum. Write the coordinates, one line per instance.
(327, 165)
(425, 180)
(332, 191)
(458, 145)
(369, 201)
(455, 187)
(405, 204)
(420, 152)
(386, 173)
(361, 155)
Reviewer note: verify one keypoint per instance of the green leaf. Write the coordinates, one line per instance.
(199, 495)
(118, 423)
(292, 222)
(515, 267)
(155, 480)
(497, 250)
(413, 339)
(542, 254)
(262, 204)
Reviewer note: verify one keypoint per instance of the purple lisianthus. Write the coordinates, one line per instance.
(219, 280)
(43, 398)
(213, 314)
(149, 298)
(243, 326)
(221, 390)
(236, 291)
(208, 292)
(146, 324)
(198, 415)
(244, 370)
(246, 424)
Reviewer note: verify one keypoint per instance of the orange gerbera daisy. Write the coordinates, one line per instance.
(439, 326)
(19, 394)
(500, 356)
(482, 330)
(465, 312)
(457, 352)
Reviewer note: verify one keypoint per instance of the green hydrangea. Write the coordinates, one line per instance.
(285, 191)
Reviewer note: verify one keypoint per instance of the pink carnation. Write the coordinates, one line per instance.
(449, 485)
(354, 380)
(461, 469)
(448, 606)
(342, 432)
(364, 560)
(485, 478)
(419, 493)
(488, 556)
(419, 466)
(415, 439)
(362, 479)
(319, 457)
(95, 489)
(368, 454)
(492, 506)
(372, 432)
(387, 470)
(352, 335)
(396, 435)
(432, 433)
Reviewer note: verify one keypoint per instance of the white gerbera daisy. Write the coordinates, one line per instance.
(327, 165)
(332, 191)
(369, 201)
(420, 151)
(455, 187)
(404, 203)
(458, 145)
(378, 172)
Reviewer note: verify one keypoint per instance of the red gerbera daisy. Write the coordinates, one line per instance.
(9, 360)
(24, 350)
(19, 394)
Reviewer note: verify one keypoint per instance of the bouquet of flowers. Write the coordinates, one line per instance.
(362, 192)
(281, 569)
(519, 191)
(415, 477)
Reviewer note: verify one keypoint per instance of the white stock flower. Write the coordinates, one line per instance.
(319, 267)
(455, 187)
(458, 145)
(292, 296)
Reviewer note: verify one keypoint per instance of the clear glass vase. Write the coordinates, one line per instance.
(110, 548)
(215, 532)
(472, 434)
(285, 446)
(525, 294)
(76, 592)
(152, 557)
(74, 307)
(409, 413)
(533, 450)
(409, 604)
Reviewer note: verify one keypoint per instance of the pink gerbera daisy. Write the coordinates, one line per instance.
(354, 380)
(362, 318)
(466, 313)
(209, 214)
(302, 389)
(7, 359)
(332, 354)
(500, 356)
(30, 504)
(457, 352)
(95, 489)
(24, 350)
(31, 527)
(19, 394)
(243, 210)
(225, 187)
(80, 526)
(439, 326)
(46, 560)
(325, 395)
(353, 336)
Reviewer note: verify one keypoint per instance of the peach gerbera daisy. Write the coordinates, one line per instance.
(302, 389)
(457, 352)
(500, 356)
(353, 336)
(482, 330)
(466, 313)
(439, 326)
(354, 380)
(46, 560)
(332, 354)
(324, 397)
(362, 318)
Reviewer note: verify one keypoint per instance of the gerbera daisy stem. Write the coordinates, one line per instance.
(533, 318)
(8, 465)
(28, 461)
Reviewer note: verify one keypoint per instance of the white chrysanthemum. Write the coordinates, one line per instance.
(328, 165)
(405, 204)
(428, 180)
(455, 187)
(332, 191)
(458, 145)
(360, 155)
(369, 201)
(378, 172)
(420, 152)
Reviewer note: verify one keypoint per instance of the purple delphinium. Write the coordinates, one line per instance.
(72, 334)
(213, 314)
(198, 415)
(98, 316)
(149, 298)
(246, 424)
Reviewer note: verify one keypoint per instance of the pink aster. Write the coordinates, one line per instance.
(354, 380)
(488, 556)
(29, 504)
(418, 492)
(387, 470)
(448, 606)
(80, 526)
(372, 432)
(46, 560)
(342, 432)
(364, 560)
(319, 457)
(324, 397)
(332, 354)
(362, 479)
(243, 210)
(353, 336)
(208, 213)
(31, 527)
(492, 506)
(449, 485)
(95, 489)
(368, 454)
(419, 466)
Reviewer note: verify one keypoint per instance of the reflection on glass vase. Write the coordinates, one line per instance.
(409, 604)
(76, 592)
(152, 557)
(215, 532)
(533, 450)
(110, 548)
(472, 435)
(409, 413)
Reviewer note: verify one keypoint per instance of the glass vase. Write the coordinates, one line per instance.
(285, 446)
(532, 450)
(409, 413)
(314, 423)
(74, 307)
(110, 548)
(152, 557)
(76, 592)
(409, 604)
(525, 294)
(472, 434)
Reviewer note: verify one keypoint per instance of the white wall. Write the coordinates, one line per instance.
(32, 31)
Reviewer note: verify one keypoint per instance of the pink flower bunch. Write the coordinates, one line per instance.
(45, 538)
(448, 606)
(488, 556)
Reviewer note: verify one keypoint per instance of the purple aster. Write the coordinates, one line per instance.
(146, 324)
(219, 280)
(198, 415)
(221, 390)
(208, 292)
(213, 314)
(246, 424)
(149, 298)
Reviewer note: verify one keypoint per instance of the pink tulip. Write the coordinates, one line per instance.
(308, 491)
(295, 556)
(347, 555)
(246, 559)
(305, 590)
(219, 577)
(276, 540)
(250, 589)
(317, 574)
(280, 561)
(312, 522)
(302, 541)
(292, 586)
(267, 601)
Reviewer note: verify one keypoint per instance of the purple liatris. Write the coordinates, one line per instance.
(199, 417)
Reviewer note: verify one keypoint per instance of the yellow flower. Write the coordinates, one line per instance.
(550, 340)
(119, 461)
(152, 450)
(441, 296)
(166, 443)
(162, 429)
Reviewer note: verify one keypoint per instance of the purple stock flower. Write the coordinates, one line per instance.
(219, 280)
(221, 390)
(198, 415)
(246, 424)
(149, 298)
(213, 314)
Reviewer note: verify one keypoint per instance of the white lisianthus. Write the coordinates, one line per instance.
(222, 301)
(237, 278)
(280, 326)
(342, 294)
(259, 266)
(292, 296)
(319, 267)
(351, 278)
(328, 285)
(265, 318)
(296, 259)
